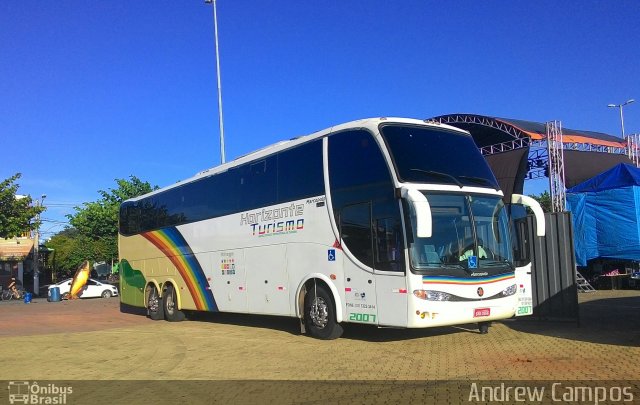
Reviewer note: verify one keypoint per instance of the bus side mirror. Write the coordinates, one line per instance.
(535, 207)
(419, 203)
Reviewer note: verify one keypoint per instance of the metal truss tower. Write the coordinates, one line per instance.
(555, 151)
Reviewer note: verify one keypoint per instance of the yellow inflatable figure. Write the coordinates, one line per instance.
(79, 280)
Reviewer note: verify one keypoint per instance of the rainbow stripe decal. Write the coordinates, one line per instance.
(467, 281)
(176, 249)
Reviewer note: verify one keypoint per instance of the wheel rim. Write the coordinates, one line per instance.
(170, 302)
(154, 302)
(106, 294)
(319, 312)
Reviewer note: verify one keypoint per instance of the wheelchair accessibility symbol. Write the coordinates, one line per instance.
(472, 262)
(331, 255)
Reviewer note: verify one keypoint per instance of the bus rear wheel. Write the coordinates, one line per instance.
(170, 305)
(155, 310)
(320, 314)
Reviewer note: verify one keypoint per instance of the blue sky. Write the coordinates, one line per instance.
(94, 91)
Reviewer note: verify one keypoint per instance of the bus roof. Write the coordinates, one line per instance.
(370, 123)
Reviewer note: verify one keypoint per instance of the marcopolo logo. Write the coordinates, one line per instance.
(25, 392)
(276, 221)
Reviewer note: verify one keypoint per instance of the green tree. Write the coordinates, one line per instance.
(96, 222)
(69, 250)
(17, 215)
(544, 200)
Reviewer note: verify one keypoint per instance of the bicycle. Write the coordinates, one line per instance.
(9, 295)
(12, 292)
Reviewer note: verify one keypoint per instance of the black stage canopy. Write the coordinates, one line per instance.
(510, 166)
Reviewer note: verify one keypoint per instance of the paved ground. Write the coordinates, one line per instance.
(92, 340)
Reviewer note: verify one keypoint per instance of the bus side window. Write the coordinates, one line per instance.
(389, 251)
(358, 172)
(518, 217)
(258, 183)
(300, 172)
(355, 231)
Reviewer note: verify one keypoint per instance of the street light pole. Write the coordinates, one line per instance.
(621, 115)
(36, 249)
(220, 120)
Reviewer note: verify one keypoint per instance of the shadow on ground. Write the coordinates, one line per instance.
(352, 331)
(604, 318)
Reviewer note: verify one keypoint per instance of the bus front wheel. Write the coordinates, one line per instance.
(170, 305)
(320, 314)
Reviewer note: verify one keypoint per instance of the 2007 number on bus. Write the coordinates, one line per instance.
(362, 317)
(524, 310)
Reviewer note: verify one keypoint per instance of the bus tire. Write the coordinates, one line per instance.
(155, 310)
(320, 314)
(170, 305)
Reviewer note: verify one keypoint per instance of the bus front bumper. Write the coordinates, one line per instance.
(425, 314)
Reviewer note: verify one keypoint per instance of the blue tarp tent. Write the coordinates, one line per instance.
(606, 212)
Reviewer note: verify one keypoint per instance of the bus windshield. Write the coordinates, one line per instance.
(470, 236)
(432, 155)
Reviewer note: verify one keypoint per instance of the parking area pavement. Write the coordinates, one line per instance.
(92, 340)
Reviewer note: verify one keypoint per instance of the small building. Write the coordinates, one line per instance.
(16, 258)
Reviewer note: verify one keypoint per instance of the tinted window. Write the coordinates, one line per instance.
(355, 160)
(389, 242)
(258, 183)
(290, 175)
(431, 155)
(190, 202)
(359, 177)
(355, 231)
(224, 193)
(300, 172)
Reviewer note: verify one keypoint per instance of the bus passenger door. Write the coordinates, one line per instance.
(391, 284)
(359, 279)
(521, 246)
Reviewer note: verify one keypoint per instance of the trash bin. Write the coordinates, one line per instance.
(27, 298)
(54, 294)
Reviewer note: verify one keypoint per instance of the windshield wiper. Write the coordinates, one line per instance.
(494, 263)
(481, 180)
(439, 174)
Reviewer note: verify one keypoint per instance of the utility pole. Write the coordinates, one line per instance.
(220, 120)
(36, 249)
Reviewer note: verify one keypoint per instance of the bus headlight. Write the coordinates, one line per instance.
(429, 295)
(509, 291)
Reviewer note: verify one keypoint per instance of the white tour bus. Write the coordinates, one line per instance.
(389, 222)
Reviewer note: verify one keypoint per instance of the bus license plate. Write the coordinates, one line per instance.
(478, 312)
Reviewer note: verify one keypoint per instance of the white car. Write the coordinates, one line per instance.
(92, 289)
